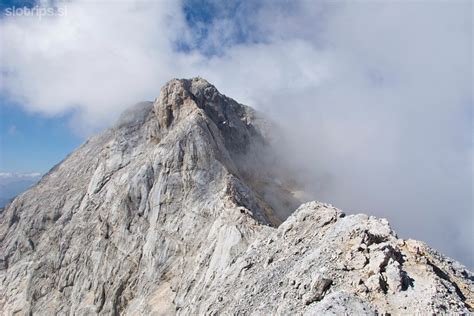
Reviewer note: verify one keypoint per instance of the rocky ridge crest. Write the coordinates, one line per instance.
(174, 211)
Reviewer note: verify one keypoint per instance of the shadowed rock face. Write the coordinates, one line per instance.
(175, 210)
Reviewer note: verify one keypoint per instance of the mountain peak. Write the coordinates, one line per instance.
(176, 90)
(176, 210)
(180, 98)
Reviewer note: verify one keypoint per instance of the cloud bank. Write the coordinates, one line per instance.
(375, 98)
(12, 184)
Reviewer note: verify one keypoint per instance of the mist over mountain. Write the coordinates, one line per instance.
(375, 97)
(185, 206)
(12, 184)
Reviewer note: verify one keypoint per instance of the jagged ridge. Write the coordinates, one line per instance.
(174, 210)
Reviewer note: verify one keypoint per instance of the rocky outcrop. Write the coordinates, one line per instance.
(322, 261)
(177, 210)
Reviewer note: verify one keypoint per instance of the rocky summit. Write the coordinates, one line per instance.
(181, 208)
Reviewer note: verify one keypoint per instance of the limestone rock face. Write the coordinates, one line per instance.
(180, 209)
(322, 261)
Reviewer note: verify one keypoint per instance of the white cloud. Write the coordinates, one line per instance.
(376, 97)
(96, 60)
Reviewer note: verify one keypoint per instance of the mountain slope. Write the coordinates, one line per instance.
(175, 209)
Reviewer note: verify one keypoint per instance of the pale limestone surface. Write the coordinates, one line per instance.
(176, 210)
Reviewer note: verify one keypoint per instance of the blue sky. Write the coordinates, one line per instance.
(23, 135)
(32, 142)
(200, 15)
(16, 3)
